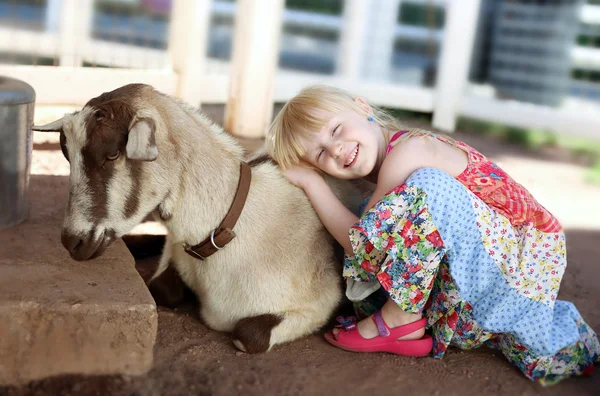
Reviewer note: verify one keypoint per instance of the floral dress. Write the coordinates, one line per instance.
(482, 260)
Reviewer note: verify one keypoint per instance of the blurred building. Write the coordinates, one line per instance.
(585, 70)
(530, 49)
(525, 48)
(545, 52)
(539, 51)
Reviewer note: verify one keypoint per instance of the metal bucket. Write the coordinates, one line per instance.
(17, 100)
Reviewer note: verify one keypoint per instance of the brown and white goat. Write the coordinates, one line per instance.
(135, 151)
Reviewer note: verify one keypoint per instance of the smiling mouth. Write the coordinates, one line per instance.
(351, 158)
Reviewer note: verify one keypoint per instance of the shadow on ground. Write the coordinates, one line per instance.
(191, 359)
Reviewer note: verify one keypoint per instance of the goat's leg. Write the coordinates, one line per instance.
(165, 259)
(260, 333)
(168, 289)
(253, 334)
(166, 286)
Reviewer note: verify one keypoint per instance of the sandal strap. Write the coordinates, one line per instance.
(347, 323)
(396, 332)
(382, 328)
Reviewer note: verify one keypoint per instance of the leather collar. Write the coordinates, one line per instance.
(224, 233)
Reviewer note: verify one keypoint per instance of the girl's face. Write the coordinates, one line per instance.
(348, 146)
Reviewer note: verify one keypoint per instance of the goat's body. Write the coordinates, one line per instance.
(282, 261)
(134, 151)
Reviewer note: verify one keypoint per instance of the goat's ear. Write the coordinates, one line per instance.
(141, 142)
(55, 126)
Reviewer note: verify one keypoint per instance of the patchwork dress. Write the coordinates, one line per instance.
(481, 259)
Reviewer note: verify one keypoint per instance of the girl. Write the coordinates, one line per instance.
(452, 241)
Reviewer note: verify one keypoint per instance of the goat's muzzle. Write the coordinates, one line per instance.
(87, 246)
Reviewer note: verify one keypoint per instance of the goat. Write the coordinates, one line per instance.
(135, 151)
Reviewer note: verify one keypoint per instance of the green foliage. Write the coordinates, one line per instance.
(39, 3)
(330, 7)
(587, 75)
(400, 115)
(419, 15)
(593, 175)
(582, 149)
(25, 59)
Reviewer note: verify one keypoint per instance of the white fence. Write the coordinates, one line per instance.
(251, 82)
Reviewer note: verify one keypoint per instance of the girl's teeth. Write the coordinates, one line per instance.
(353, 156)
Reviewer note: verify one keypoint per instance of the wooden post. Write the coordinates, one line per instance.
(188, 40)
(380, 37)
(253, 66)
(353, 39)
(74, 27)
(454, 62)
(53, 9)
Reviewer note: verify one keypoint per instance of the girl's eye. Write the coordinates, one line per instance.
(319, 155)
(114, 156)
(335, 130)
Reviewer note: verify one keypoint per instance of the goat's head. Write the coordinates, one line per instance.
(110, 145)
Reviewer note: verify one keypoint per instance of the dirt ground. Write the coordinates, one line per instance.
(191, 359)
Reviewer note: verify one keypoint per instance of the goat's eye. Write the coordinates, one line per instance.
(114, 156)
(99, 116)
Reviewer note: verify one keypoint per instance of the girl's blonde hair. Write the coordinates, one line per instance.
(306, 113)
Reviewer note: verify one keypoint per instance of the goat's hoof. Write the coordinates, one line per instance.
(253, 334)
(238, 344)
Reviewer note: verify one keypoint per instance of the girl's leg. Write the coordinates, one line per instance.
(398, 244)
(505, 277)
(394, 317)
(575, 359)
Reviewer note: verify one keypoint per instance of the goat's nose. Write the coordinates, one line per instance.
(70, 241)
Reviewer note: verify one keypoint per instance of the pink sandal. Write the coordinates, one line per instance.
(349, 338)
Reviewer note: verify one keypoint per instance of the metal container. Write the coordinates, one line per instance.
(17, 100)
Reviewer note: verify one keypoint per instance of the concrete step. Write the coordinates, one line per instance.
(59, 316)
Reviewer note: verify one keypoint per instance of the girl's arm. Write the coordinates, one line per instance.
(333, 214)
(397, 167)
(400, 163)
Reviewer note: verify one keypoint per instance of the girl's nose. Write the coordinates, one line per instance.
(336, 149)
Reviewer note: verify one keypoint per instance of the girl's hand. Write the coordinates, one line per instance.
(301, 176)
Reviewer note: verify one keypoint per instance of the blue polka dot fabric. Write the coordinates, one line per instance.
(436, 248)
(497, 307)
